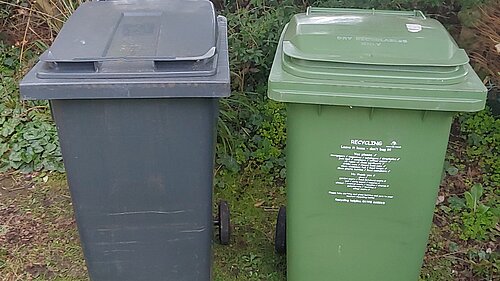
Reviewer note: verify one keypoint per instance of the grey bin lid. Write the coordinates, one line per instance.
(121, 42)
(135, 39)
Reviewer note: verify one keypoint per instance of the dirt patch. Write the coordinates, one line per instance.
(19, 228)
(38, 236)
(15, 185)
(37, 270)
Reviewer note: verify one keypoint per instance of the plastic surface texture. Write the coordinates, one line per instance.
(141, 85)
(144, 41)
(370, 100)
(372, 58)
(140, 176)
(137, 30)
(371, 37)
(136, 110)
(345, 221)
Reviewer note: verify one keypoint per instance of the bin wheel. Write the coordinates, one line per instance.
(280, 235)
(224, 223)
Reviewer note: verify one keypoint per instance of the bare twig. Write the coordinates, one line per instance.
(31, 10)
(23, 43)
(36, 34)
(447, 255)
(37, 107)
(13, 189)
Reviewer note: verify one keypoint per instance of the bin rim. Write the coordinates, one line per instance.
(467, 95)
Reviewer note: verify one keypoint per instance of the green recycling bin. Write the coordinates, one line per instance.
(370, 100)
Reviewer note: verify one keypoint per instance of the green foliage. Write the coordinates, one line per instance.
(28, 138)
(6, 10)
(476, 225)
(482, 131)
(253, 35)
(258, 139)
(251, 145)
(252, 128)
(485, 263)
(255, 135)
(477, 219)
(251, 264)
(270, 139)
(480, 207)
(274, 127)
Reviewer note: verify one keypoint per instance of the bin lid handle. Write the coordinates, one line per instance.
(316, 10)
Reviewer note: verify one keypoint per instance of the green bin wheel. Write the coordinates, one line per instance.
(280, 236)
(224, 223)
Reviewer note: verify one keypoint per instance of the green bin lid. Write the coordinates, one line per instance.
(353, 56)
(371, 37)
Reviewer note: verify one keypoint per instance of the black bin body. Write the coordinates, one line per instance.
(136, 108)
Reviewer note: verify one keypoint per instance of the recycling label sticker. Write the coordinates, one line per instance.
(362, 169)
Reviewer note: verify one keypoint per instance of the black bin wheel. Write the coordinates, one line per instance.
(280, 235)
(224, 223)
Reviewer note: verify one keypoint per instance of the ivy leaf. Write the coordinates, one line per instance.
(4, 147)
(15, 156)
(4, 166)
(6, 111)
(50, 147)
(8, 127)
(453, 247)
(452, 170)
(26, 168)
(37, 164)
(37, 148)
(15, 164)
(60, 165)
(43, 141)
(27, 155)
(16, 147)
(33, 134)
(456, 203)
(9, 61)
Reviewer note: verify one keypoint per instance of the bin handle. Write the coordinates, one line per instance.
(316, 10)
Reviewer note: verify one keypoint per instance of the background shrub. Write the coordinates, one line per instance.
(251, 128)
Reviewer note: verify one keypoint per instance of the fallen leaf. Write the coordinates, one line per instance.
(440, 199)
(259, 203)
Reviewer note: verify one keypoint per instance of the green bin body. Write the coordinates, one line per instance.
(370, 100)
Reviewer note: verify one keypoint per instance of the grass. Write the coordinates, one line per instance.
(254, 205)
(41, 241)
